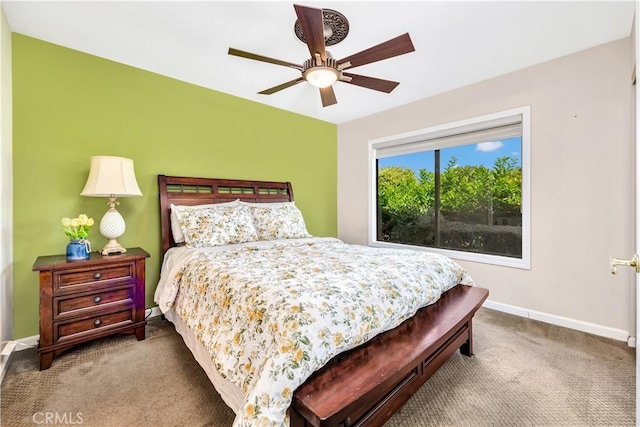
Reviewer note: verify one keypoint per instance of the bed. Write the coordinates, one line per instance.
(393, 336)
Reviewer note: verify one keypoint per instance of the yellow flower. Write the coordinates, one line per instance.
(251, 410)
(77, 228)
(226, 302)
(287, 346)
(255, 315)
(298, 355)
(265, 399)
(286, 392)
(337, 338)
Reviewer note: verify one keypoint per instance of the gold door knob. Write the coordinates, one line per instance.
(633, 262)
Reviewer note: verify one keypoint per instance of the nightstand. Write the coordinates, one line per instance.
(84, 300)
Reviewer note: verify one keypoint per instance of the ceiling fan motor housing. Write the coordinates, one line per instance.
(329, 63)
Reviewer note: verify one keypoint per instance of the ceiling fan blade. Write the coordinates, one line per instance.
(248, 55)
(394, 47)
(371, 82)
(281, 86)
(312, 25)
(328, 96)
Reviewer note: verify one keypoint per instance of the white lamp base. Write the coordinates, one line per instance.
(113, 247)
(111, 227)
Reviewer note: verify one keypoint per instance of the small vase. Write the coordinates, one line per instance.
(78, 249)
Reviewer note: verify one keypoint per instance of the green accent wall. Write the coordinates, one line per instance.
(69, 106)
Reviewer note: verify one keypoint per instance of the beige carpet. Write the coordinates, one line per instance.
(524, 373)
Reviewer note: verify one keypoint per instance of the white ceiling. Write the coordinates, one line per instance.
(457, 43)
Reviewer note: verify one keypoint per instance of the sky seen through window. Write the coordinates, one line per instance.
(483, 153)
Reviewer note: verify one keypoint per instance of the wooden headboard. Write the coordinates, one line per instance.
(180, 190)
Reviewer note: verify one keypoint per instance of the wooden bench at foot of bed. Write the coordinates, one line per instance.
(367, 385)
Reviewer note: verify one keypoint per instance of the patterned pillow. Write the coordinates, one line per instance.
(282, 221)
(216, 225)
(178, 237)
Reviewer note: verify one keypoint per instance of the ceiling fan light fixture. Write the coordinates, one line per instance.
(321, 76)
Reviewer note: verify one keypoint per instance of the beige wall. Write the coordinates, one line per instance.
(581, 182)
(6, 206)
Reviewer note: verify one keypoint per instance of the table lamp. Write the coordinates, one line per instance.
(111, 177)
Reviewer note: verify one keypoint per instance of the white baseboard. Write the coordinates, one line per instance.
(5, 356)
(27, 342)
(591, 328)
(155, 312)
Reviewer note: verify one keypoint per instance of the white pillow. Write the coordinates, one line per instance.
(216, 225)
(274, 221)
(178, 237)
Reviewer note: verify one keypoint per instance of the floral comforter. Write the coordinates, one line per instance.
(272, 314)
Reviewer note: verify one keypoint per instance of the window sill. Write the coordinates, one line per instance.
(501, 261)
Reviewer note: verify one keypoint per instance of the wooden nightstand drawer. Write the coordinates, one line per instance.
(75, 281)
(91, 326)
(71, 305)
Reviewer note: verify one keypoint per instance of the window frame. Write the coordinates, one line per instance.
(419, 136)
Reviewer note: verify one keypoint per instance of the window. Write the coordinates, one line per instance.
(461, 189)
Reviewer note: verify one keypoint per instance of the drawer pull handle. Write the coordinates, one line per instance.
(97, 299)
(97, 276)
(97, 322)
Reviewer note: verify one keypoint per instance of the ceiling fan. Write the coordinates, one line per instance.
(322, 71)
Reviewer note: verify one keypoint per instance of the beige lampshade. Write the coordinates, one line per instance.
(111, 176)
